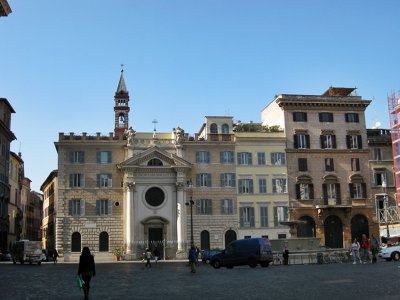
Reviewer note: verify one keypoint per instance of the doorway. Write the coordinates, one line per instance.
(156, 239)
(333, 230)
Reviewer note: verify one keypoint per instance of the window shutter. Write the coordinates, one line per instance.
(198, 180)
(356, 117)
(297, 191)
(209, 180)
(274, 185)
(251, 186)
(357, 164)
(109, 157)
(294, 114)
(311, 188)
(221, 179)
(295, 142)
(334, 141)
(109, 180)
(82, 180)
(98, 204)
(359, 142)
(81, 157)
(70, 207)
(221, 157)
(250, 158)
(98, 180)
(273, 158)
(346, 117)
(307, 141)
(71, 180)
(109, 212)
(320, 117)
(337, 188)
(283, 159)
(98, 157)
(348, 138)
(351, 190)
(251, 213)
(305, 117)
(208, 157)
(276, 216)
(286, 213)
(82, 202)
(364, 190)
(197, 156)
(322, 139)
(324, 191)
(71, 157)
(239, 158)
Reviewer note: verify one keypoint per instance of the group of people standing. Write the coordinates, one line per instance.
(366, 251)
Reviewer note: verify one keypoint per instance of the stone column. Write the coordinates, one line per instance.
(129, 223)
(180, 208)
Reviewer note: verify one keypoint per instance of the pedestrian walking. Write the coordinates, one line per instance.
(156, 254)
(86, 270)
(374, 248)
(355, 251)
(147, 256)
(55, 256)
(285, 255)
(365, 251)
(193, 259)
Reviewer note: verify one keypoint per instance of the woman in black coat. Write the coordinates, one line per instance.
(86, 269)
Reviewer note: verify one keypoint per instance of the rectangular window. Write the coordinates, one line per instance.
(299, 116)
(351, 117)
(227, 157)
(76, 180)
(204, 207)
(104, 180)
(331, 192)
(355, 164)
(228, 179)
(301, 141)
(354, 141)
(281, 214)
(358, 190)
(203, 157)
(262, 185)
(263, 216)
(103, 157)
(226, 207)
(278, 158)
(304, 191)
(329, 166)
(203, 180)
(380, 177)
(377, 154)
(302, 162)
(261, 158)
(76, 207)
(244, 158)
(77, 157)
(326, 117)
(247, 217)
(245, 186)
(104, 207)
(279, 185)
(328, 141)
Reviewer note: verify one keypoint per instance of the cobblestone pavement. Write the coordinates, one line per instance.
(173, 280)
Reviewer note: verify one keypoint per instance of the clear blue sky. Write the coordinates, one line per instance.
(60, 62)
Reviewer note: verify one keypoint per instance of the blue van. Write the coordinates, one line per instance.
(250, 252)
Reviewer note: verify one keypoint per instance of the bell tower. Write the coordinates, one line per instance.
(121, 107)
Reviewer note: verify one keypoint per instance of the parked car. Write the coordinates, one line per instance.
(390, 252)
(5, 256)
(250, 252)
(208, 254)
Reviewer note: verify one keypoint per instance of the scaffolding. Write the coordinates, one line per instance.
(394, 114)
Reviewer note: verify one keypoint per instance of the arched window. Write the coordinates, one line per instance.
(230, 236)
(357, 187)
(76, 242)
(304, 188)
(225, 129)
(213, 128)
(204, 240)
(331, 191)
(155, 162)
(121, 118)
(103, 241)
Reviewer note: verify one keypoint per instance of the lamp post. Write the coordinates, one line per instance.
(191, 202)
(386, 205)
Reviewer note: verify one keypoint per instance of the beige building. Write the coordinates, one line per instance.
(262, 181)
(327, 156)
(49, 189)
(383, 183)
(14, 207)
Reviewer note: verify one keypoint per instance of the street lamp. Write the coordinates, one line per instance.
(191, 202)
(386, 205)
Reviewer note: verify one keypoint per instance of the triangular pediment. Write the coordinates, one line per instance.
(167, 159)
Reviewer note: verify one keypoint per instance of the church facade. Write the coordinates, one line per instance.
(135, 190)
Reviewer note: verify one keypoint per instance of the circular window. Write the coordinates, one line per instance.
(154, 196)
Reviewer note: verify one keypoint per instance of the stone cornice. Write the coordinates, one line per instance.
(333, 151)
(319, 103)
